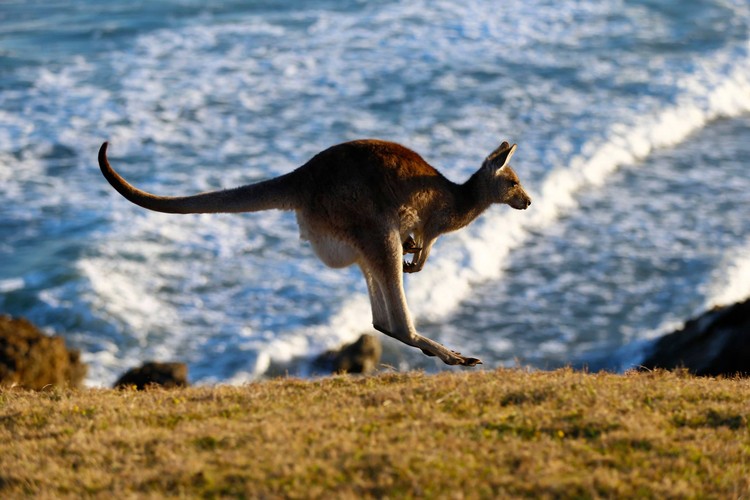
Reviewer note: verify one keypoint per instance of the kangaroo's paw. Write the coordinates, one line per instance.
(411, 267)
(410, 246)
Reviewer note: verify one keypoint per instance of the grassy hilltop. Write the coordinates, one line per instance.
(468, 434)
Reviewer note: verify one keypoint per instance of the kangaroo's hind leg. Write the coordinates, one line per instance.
(381, 320)
(377, 301)
(381, 260)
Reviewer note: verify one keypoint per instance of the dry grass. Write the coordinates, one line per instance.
(471, 434)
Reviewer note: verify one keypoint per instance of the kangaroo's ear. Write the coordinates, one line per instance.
(501, 156)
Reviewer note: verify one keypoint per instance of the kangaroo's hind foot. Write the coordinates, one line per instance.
(431, 348)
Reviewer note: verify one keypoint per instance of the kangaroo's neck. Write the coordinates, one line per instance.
(468, 202)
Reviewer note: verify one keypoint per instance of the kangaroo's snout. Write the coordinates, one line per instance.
(521, 201)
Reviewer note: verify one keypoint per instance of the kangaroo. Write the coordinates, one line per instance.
(365, 202)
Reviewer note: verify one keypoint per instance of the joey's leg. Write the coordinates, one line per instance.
(382, 260)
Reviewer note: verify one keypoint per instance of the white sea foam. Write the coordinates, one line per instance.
(11, 285)
(730, 284)
(184, 106)
(459, 261)
(473, 256)
(732, 281)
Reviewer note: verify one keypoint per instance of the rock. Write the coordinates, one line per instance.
(715, 343)
(362, 356)
(33, 360)
(167, 375)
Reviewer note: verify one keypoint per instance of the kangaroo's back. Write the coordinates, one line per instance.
(366, 174)
(372, 158)
(370, 172)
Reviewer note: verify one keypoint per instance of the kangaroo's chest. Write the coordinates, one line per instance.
(409, 220)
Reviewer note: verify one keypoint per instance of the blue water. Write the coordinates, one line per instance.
(633, 125)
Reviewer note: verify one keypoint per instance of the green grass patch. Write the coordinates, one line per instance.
(475, 434)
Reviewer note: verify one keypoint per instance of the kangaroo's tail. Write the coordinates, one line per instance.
(277, 193)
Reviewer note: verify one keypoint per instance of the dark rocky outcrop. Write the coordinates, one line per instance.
(361, 356)
(31, 359)
(166, 375)
(715, 343)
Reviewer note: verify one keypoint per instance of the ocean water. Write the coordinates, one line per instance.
(632, 120)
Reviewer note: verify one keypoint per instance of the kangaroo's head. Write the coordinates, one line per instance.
(503, 181)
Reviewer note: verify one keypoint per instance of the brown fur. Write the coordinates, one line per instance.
(364, 202)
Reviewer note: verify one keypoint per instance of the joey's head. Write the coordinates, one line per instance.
(502, 181)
